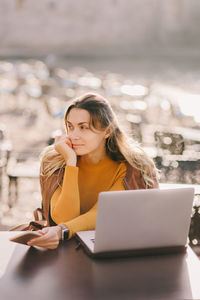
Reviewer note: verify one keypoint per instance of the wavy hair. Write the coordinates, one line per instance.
(119, 147)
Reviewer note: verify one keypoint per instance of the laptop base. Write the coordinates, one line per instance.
(129, 253)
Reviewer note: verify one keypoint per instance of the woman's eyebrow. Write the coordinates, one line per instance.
(80, 123)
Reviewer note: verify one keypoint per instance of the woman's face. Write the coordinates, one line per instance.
(84, 140)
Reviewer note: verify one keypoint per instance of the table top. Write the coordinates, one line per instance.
(67, 273)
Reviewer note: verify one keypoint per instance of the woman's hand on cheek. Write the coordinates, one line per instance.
(63, 146)
(49, 238)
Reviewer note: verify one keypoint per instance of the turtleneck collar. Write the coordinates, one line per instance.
(103, 161)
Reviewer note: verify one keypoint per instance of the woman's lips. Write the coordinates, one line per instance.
(77, 145)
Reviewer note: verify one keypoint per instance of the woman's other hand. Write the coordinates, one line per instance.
(63, 146)
(50, 238)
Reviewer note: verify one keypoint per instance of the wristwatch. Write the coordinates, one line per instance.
(65, 232)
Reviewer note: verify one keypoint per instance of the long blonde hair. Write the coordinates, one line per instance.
(119, 147)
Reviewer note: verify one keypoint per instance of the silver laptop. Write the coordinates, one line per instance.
(140, 221)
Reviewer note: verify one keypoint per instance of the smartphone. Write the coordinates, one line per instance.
(24, 237)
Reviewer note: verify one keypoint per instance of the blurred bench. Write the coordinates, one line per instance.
(179, 168)
(177, 161)
(167, 142)
(17, 170)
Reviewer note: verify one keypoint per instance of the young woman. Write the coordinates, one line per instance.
(94, 156)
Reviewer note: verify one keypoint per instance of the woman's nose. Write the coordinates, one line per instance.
(74, 134)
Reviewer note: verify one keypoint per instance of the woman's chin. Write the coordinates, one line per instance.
(79, 152)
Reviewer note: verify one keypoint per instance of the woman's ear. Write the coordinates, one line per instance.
(108, 132)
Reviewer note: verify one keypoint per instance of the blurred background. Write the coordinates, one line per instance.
(142, 55)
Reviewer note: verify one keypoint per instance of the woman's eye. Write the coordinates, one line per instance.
(83, 127)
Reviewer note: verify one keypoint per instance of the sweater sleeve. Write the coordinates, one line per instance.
(65, 202)
(87, 221)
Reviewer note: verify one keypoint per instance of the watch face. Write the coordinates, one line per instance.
(66, 233)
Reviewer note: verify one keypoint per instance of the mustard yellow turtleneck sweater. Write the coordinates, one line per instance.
(75, 203)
